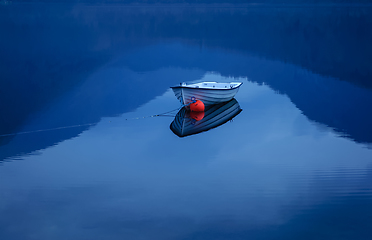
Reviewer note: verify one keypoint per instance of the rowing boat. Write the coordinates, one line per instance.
(209, 93)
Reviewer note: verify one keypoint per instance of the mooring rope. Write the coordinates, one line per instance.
(158, 115)
(90, 124)
(165, 114)
(48, 129)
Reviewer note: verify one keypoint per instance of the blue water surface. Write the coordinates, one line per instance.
(83, 157)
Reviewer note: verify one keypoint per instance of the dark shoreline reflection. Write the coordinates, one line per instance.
(188, 123)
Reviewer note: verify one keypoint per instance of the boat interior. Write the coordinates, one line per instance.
(215, 85)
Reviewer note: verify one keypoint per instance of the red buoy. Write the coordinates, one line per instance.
(197, 106)
(197, 115)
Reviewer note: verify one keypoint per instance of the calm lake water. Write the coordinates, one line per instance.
(296, 163)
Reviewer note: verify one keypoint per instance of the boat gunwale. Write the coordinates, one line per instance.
(203, 88)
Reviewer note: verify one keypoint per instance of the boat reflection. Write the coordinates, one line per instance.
(187, 123)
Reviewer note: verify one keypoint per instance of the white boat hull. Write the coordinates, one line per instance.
(209, 96)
